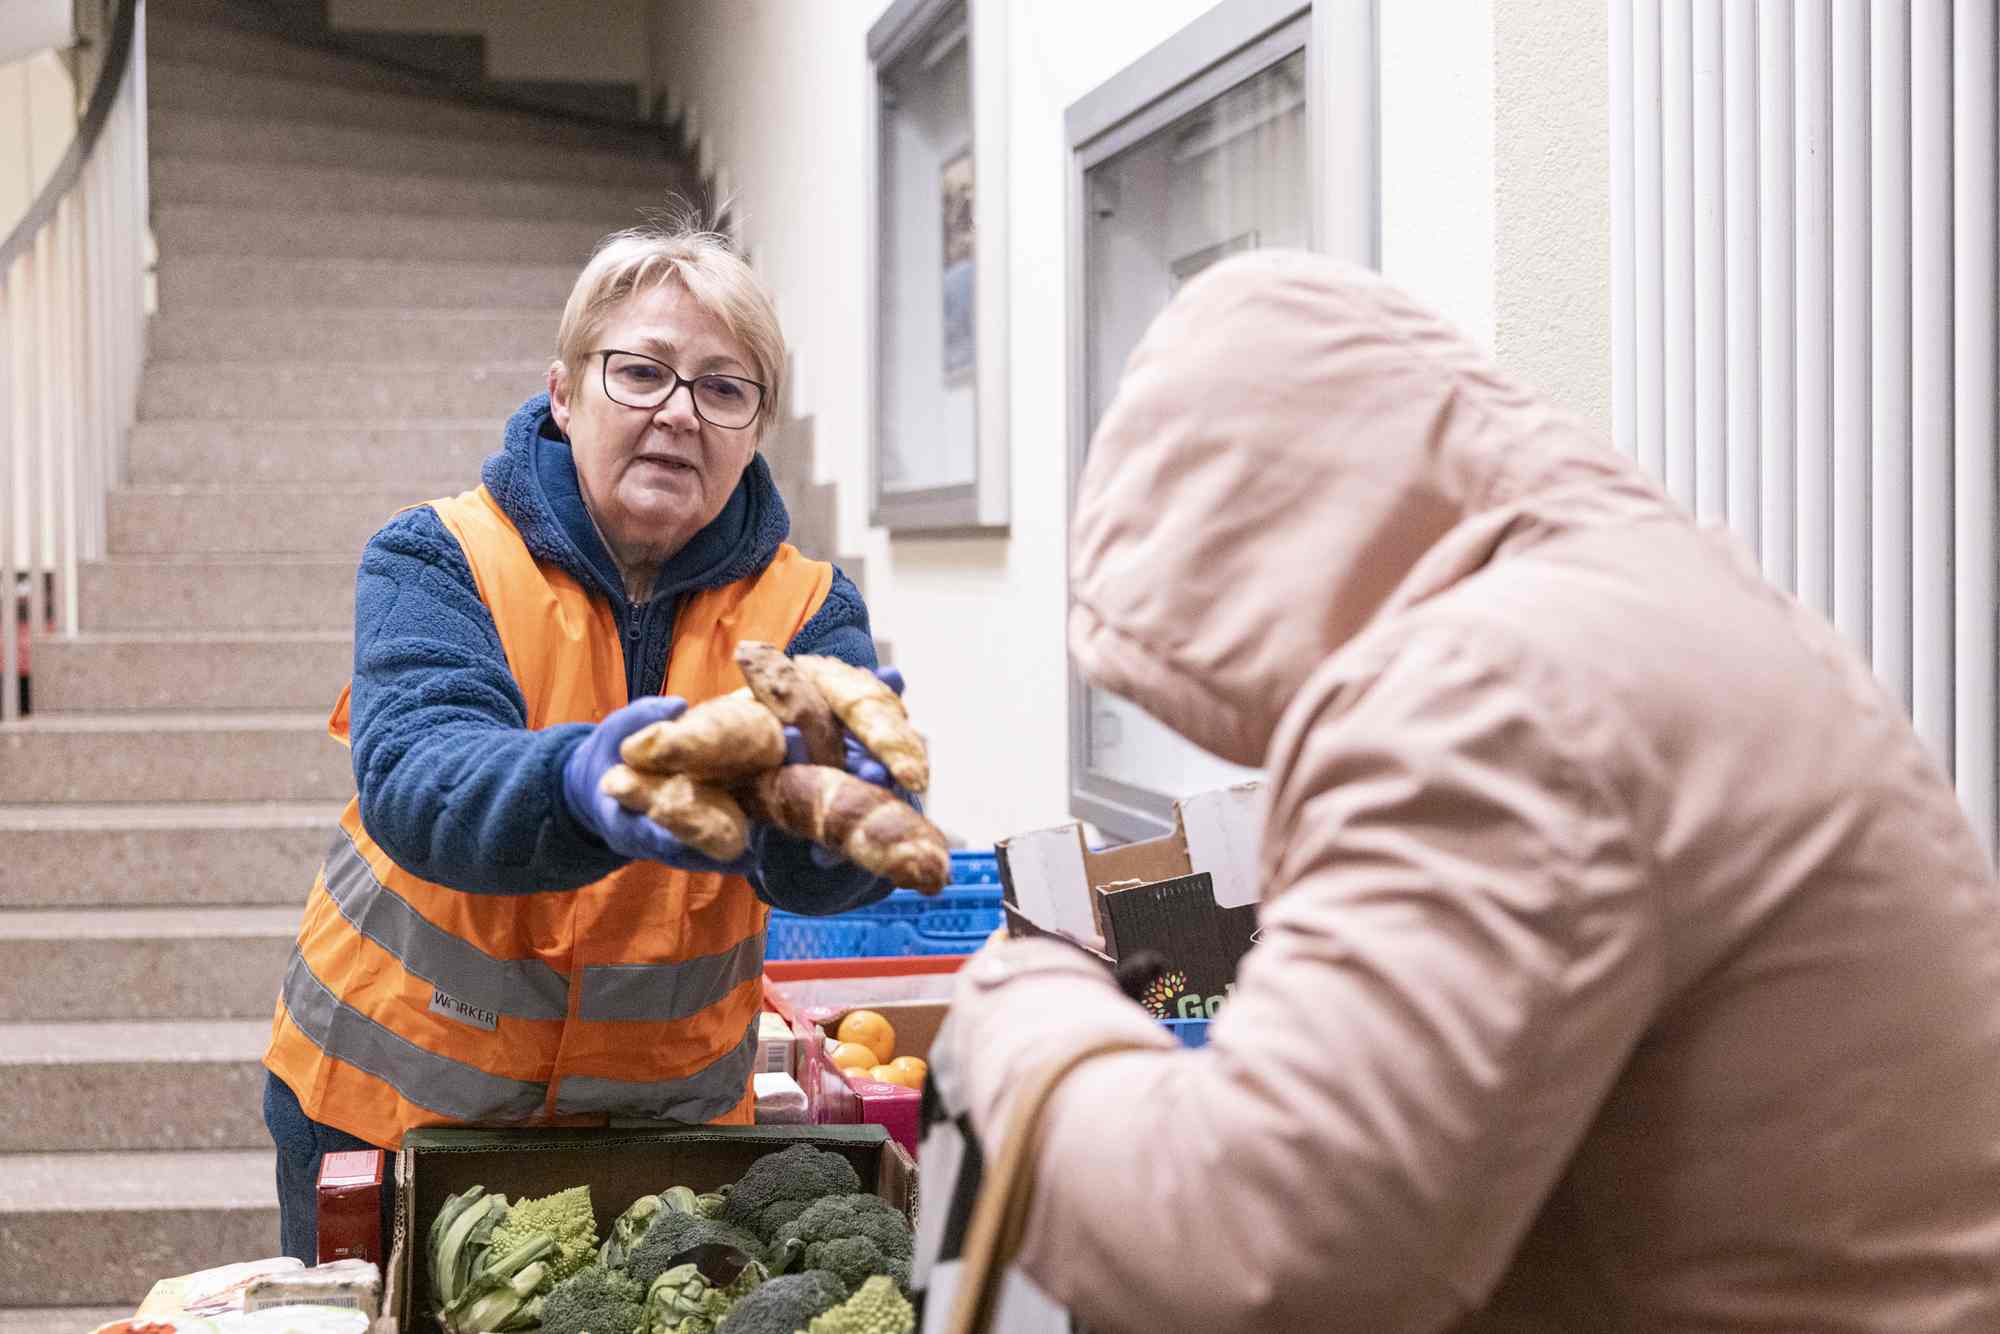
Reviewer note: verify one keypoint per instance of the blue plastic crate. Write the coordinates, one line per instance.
(956, 920)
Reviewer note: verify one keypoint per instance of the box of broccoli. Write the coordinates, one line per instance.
(736, 1226)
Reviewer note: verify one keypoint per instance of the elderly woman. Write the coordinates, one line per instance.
(490, 939)
(1625, 962)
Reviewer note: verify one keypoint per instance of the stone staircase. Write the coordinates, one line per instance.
(357, 281)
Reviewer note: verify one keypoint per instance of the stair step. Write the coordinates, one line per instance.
(103, 1227)
(293, 520)
(73, 1087)
(262, 139)
(206, 593)
(160, 757)
(300, 669)
(353, 335)
(440, 457)
(221, 183)
(177, 854)
(193, 282)
(182, 85)
(338, 390)
(192, 229)
(815, 511)
(64, 965)
(189, 39)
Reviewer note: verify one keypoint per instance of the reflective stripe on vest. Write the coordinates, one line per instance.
(411, 1004)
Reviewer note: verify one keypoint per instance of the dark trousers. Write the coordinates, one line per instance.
(302, 1142)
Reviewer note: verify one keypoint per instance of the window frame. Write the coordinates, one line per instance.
(980, 506)
(1225, 46)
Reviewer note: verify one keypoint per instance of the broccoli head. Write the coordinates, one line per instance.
(566, 1216)
(853, 1237)
(593, 1300)
(673, 1232)
(878, 1308)
(784, 1305)
(778, 1186)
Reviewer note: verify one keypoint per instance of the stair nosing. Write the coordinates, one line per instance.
(156, 817)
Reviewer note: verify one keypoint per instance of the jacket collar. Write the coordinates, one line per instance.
(533, 480)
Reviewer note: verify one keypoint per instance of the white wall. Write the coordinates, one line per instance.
(780, 91)
(1552, 199)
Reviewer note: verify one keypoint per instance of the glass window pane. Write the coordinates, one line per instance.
(1230, 175)
(928, 353)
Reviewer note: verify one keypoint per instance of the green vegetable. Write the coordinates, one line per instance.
(455, 1206)
(854, 1237)
(673, 1232)
(594, 1300)
(565, 1216)
(502, 1294)
(711, 1204)
(879, 1307)
(779, 1186)
(681, 1301)
(627, 1228)
(463, 1245)
(784, 1305)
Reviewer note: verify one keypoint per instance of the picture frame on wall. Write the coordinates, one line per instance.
(960, 337)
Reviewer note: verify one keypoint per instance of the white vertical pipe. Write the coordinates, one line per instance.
(10, 698)
(1740, 210)
(64, 344)
(1647, 294)
(1624, 334)
(1677, 243)
(1976, 433)
(1778, 370)
(41, 532)
(1710, 288)
(1889, 353)
(1931, 651)
(1814, 312)
(1853, 555)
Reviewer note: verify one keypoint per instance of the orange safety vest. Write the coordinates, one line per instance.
(410, 1004)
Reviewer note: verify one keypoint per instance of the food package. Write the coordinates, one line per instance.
(354, 1284)
(780, 1101)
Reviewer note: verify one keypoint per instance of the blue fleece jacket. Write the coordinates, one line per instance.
(453, 785)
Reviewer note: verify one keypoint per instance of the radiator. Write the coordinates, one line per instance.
(1806, 292)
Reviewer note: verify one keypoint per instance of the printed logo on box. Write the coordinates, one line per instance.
(451, 1007)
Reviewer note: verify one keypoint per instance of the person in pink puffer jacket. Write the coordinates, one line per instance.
(1625, 961)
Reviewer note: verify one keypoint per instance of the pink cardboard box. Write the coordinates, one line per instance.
(836, 1097)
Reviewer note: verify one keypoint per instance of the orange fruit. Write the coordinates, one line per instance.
(882, 1074)
(853, 1056)
(912, 1069)
(872, 1031)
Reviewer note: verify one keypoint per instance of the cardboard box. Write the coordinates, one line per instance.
(837, 1097)
(1190, 894)
(350, 1206)
(618, 1165)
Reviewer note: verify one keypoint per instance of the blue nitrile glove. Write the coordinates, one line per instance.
(859, 761)
(629, 833)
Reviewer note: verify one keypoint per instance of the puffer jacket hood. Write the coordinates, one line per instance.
(1289, 411)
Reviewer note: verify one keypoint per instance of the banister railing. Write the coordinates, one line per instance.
(72, 341)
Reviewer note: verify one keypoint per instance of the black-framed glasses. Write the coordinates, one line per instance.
(728, 401)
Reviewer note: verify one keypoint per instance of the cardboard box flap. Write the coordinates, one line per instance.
(1224, 832)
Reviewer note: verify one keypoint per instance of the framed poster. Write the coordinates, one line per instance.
(960, 340)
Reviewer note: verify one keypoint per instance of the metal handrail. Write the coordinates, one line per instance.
(110, 79)
(73, 311)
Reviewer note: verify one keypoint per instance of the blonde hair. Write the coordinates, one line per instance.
(702, 261)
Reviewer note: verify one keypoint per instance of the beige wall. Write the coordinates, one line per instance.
(779, 92)
(1552, 199)
(601, 41)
